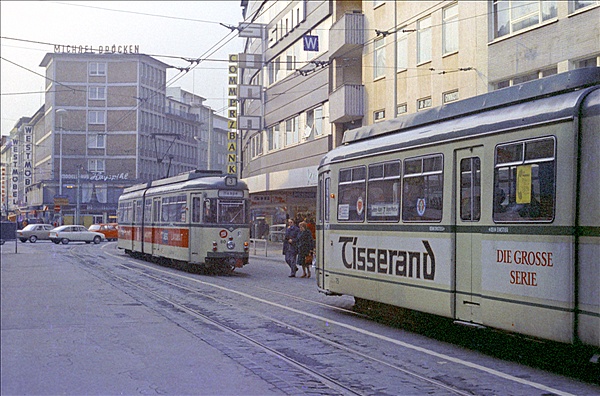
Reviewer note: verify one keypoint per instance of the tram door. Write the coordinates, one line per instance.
(468, 238)
(323, 226)
(196, 241)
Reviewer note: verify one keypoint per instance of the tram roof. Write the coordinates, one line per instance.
(197, 178)
(558, 95)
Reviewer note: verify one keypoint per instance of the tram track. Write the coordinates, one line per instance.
(157, 278)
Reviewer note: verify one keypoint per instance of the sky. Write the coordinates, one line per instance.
(166, 30)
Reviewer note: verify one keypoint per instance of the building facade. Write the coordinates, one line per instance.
(108, 122)
(377, 60)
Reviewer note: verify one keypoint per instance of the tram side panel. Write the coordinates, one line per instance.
(589, 221)
(528, 258)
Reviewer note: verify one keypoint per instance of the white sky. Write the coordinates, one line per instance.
(188, 29)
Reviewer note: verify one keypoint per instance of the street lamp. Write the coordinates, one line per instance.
(61, 113)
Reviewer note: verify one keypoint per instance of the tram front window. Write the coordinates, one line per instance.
(231, 212)
(224, 211)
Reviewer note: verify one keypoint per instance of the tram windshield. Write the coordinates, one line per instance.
(225, 211)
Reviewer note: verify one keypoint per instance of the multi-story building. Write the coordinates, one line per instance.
(377, 60)
(106, 124)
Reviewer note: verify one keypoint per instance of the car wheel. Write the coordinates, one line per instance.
(97, 239)
(32, 239)
(64, 241)
(23, 240)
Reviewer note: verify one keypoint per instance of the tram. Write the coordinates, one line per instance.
(485, 211)
(199, 219)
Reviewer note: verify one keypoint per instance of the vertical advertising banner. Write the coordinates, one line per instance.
(232, 115)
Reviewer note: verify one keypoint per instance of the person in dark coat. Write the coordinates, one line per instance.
(305, 246)
(290, 246)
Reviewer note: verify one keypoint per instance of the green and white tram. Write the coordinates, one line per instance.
(486, 211)
(199, 219)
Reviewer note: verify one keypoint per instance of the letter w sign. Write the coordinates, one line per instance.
(311, 43)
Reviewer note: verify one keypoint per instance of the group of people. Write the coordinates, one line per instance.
(298, 246)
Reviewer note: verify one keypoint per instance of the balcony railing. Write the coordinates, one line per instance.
(347, 103)
(347, 35)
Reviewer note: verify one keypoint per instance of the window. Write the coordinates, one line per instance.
(424, 103)
(526, 77)
(314, 122)
(470, 189)
(291, 131)
(450, 96)
(351, 191)
(383, 199)
(524, 181)
(97, 69)
(97, 117)
(96, 140)
(97, 93)
(511, 16)
(590, 62)
(256, 146)
(174, 209)
(450, 29)
(273, 137)
(422, 194)
(379, 58)
(577, 5)
(402, 48)
(401, 109)
(424, 40)
(96, 166)
(379, 115)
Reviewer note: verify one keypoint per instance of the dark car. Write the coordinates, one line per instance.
(8, 231)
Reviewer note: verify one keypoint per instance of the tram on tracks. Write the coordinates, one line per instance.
(199, 219)
(485, 211)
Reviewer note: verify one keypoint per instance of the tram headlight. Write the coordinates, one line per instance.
(214, 246)
(230, 245)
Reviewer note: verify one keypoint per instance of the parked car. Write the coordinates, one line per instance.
(110, 231)
(33, 232)
(75, 233)
(277, 232)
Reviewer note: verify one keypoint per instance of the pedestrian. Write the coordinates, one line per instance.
(290, 246)
(306, 245)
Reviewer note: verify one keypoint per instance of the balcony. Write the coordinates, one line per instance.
(347, 103)
(347, 35)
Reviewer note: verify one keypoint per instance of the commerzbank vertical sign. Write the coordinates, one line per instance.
(232, 115)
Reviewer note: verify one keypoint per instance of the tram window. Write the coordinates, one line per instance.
(524, 180)
(422, 194)
(231, 212)
(196, 209)
(174, 209)
(383, 197)
(138, 211)
(351, 191)
(147, 211)
(327, 199)
(470, 189)
(156, 211)
(210, 210)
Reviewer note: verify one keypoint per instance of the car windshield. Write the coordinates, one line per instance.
(29, 227)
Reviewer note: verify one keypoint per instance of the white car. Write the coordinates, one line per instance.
(75, 233)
